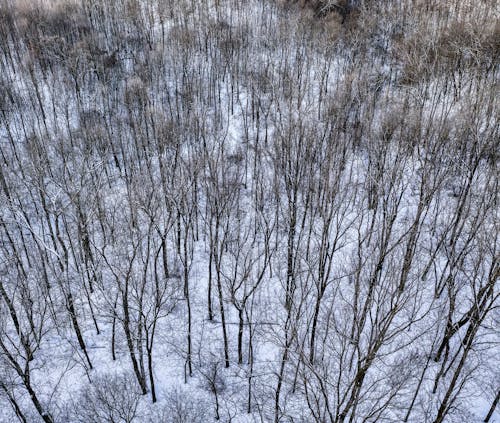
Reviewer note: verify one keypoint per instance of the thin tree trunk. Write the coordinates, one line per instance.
(223, 320)
(149, 349)
(492, 408)
(188, 303)
(240, 335)
(71, 309)
(14, 404)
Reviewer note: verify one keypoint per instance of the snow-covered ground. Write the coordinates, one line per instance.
(173, 173)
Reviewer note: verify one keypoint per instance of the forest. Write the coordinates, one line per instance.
(280, 211)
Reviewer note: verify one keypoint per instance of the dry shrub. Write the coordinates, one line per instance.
(417, 56)
(325, 7)
(330, 14)
(491, 42)
(6, 21)
(333, 27)
(444, 36)
(456, 41)
(51, 18)
(428, 7)
(459, 45)
(50, 29)
(181, 407)
(111, 398)
(136, 93)
(186, 38)
(469, 43)
(328, 25)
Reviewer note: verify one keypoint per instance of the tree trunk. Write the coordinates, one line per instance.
(492, 408)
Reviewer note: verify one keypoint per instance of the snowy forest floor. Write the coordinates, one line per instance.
(249, 211)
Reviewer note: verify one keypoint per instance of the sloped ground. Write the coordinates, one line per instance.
(248, 211)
